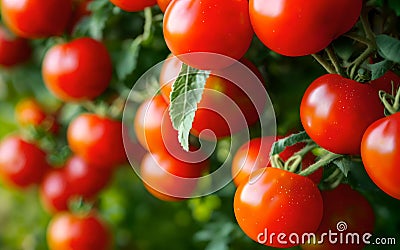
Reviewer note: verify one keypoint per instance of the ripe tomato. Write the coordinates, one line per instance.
(13, 50)
(36, 18)
(163, 4)
(254, 155)
(77, 70)
(67, 231)
(224, 103)
(281, 25)
(55, 191)
(380, 152)
(97, 139)
(389, 82)
(29, 112)
(168, 178)
(21, 163)
(222, 27)
(344, 205)
(275, 201)
(136, 5)
(335, 112)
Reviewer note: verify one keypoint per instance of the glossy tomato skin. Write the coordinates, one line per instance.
(78, 70)
(161, 174)
(22, 163)
(132, 6)
(55, 192)
(277, 201)
(335, 112)
(222, 27)
(389, 82)
(14, 50)
(97, 139)
(163, 4)
(380, 152)
(343, 204)
(254, 155)
(280, 25)
(67, 231)
(224, 103)
(36, 18)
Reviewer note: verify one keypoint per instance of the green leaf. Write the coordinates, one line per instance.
(344, 164)
(388, 48)
(291, 140)
(395, 5)
(186, 93)
(128, 59)
(379, 69)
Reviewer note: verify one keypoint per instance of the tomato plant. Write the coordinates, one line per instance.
(221, 27)
(282, 24)
(36, 18)
(275, 201)
(69, 231)
(380, 153)
(335, 109)
(22, 163)
(137, 5)
(97, 139)
(77, 70)
(13, 50)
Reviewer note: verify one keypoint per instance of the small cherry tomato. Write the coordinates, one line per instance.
(67, 231)
(275, 202)
(55, 192)
(97, 139)
(78, 70)
(36, 18)
(133, 6)
(380, 152)
(14, 50)
(22, 163)
(335, 112)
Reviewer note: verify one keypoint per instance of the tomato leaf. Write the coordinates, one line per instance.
(291, 140)
(388, 48)
(343, 164)
(127, 59)
(379, 69)
(359, 179)
(186, 93)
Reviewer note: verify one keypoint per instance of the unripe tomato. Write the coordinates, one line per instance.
(67, 231)
(222, 27)
(97, 139)
(297, 28)
(78, 70)
(14, 50)
(22, 163)
(133, 5)
(36, 18)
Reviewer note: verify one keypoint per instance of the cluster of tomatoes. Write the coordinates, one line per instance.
(340, 115)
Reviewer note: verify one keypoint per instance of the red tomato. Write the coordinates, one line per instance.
(67, 231)
(135, 5)
(163, 4)
(254, 155)
(22, 164)
(222, 27)
(55, 191)
(168, 178)
(335, 112)
(13, 50)
(275, 201)
(297, 28)
(29, 112)
(380, 152)
(389, 82)
(77, 70)
(97, 139)
(36, 18)
(344, 205)
(224, 103)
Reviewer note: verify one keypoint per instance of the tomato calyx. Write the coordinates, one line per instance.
(390, 101)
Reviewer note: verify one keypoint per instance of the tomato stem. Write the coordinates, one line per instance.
(326, 159)
(391, 103)
(276, 161)
(335, 61)
(327, 66)
(334, 179)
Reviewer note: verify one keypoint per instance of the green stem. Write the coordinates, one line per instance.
(324, 64)
(335, 61)
(326, 159)
(391, 103)
(366, 25)
(276, 162)
(293, 163)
